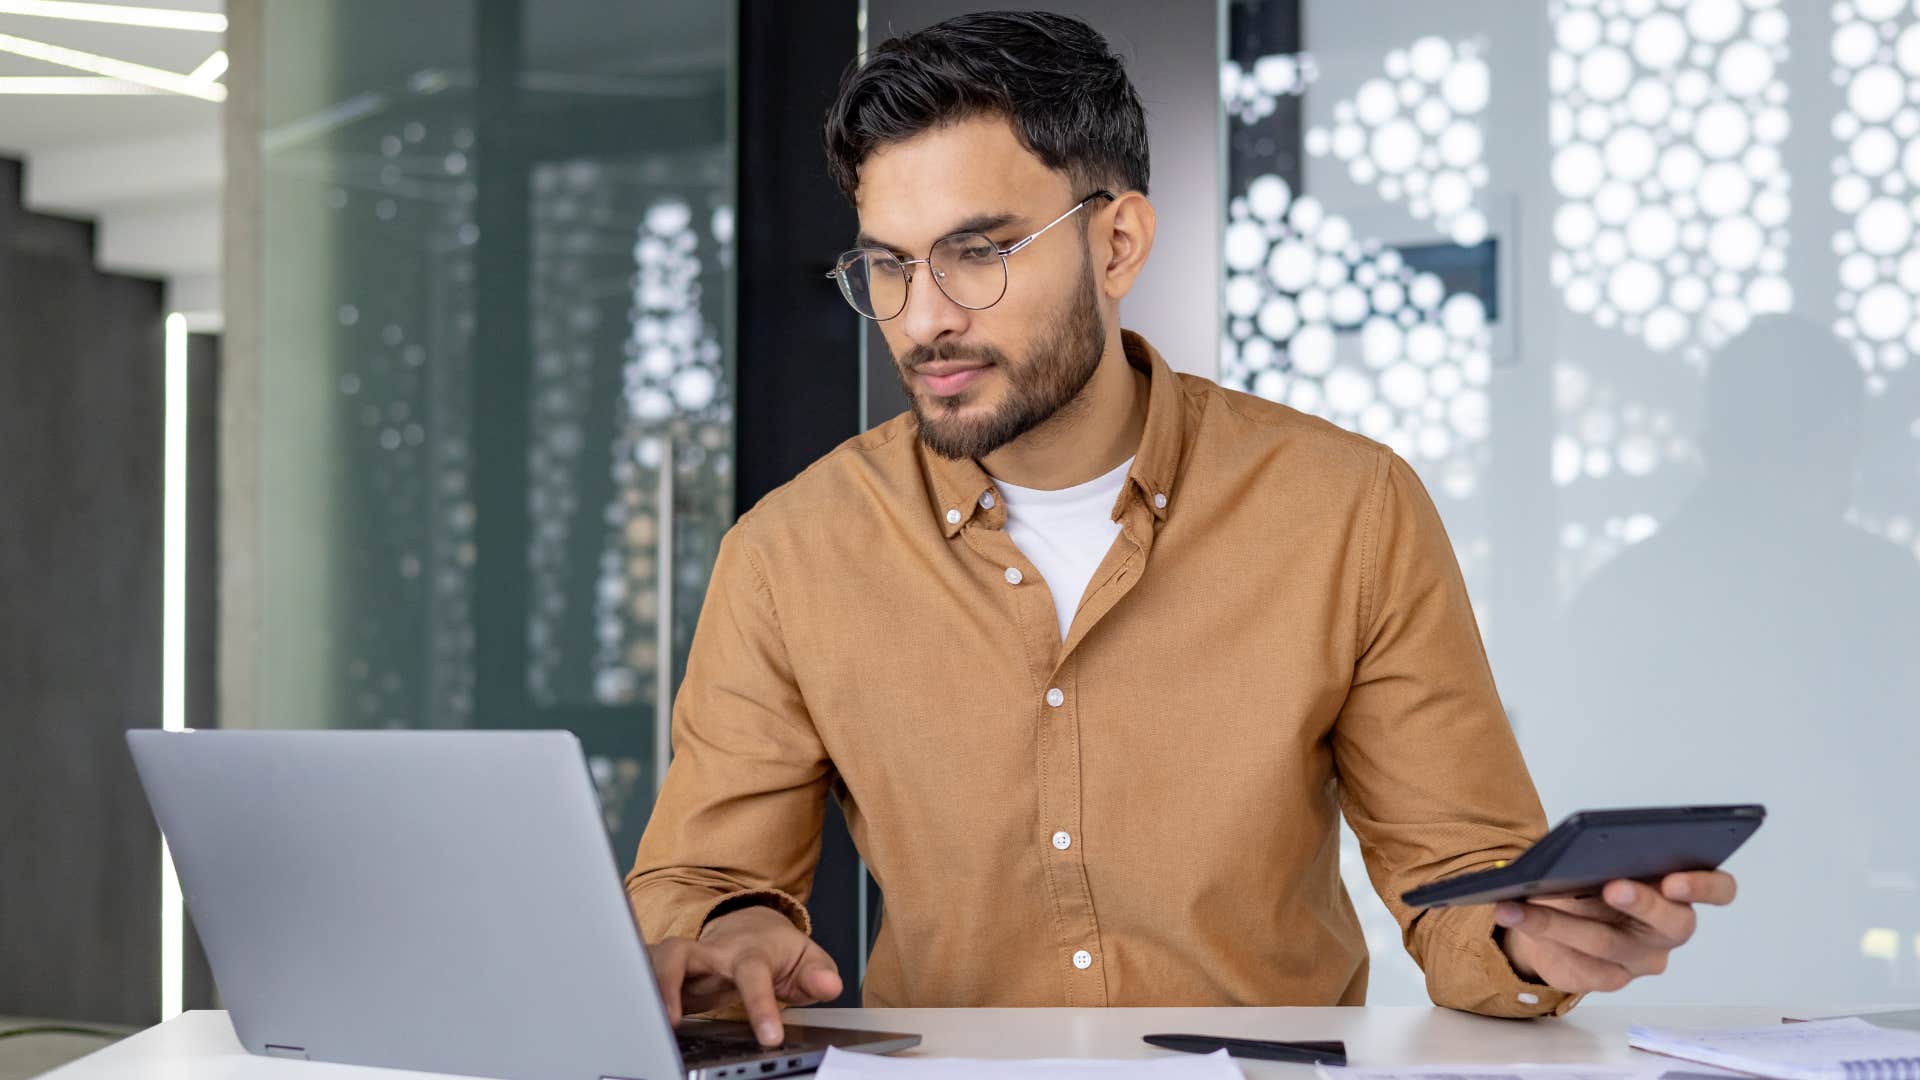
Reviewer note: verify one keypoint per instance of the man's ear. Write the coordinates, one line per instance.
(1129, 240)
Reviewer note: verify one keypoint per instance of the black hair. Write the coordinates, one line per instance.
(1052, 76)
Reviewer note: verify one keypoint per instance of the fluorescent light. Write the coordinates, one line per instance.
(172, 939)
(210, 69)
(84, 85)
(173, 589)
(157, 78)
(173, 641)
(120, 14)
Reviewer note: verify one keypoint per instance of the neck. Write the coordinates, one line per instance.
(1088, 438)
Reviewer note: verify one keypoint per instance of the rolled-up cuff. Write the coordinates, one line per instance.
(1478, 977)
(794, 910)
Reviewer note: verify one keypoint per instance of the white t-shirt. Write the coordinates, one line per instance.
(1065, 533)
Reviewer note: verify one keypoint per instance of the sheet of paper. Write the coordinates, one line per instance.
(1489, 1072)
(1817, 1048)
(842, 1065)
(1660, 1071)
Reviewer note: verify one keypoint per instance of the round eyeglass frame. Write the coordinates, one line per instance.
(839, 273)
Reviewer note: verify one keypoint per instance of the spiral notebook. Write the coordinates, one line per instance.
(1849, 1049)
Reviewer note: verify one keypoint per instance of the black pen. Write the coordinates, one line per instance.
(1300, 1052)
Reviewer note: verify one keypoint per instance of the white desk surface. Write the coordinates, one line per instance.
(201, 1045)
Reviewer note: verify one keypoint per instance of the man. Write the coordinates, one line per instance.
(1091, 653)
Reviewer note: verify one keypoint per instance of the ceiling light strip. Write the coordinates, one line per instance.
(211, 22)
(77, 85)
(155, 77)
(211, 68)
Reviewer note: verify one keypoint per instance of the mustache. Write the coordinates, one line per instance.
(925, 354)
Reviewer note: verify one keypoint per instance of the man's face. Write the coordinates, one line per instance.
(980, 379)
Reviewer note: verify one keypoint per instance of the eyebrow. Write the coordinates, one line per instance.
(978, 223)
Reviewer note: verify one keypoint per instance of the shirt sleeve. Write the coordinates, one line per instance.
(1431, 777)
(738, 818)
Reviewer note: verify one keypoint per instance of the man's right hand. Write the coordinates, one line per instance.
(754, 955)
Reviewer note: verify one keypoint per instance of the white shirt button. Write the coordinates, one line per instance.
(1160, 500)
(1062, 841)
(1528, 998)
(1013, 575)
(953, 517)
(1055, 698)
(1083, 959)
(986, 500)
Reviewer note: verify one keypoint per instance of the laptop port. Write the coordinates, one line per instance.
(768, 1066)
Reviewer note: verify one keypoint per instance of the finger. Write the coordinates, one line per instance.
(1715, 887)
(820, 984)
(753, 978)
(1596, 939)
(1664, 923)
(812, 977)
(669, 970)
(817, 978)
(1565, 968)
(1589, 907)
(709, 980)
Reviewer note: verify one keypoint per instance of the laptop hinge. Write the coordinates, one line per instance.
(298, 1053)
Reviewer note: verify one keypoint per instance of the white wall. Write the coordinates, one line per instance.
(1763, 643)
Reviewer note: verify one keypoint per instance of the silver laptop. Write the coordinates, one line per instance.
(444, 901)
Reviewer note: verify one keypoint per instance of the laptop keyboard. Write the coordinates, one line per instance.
(698, 1048)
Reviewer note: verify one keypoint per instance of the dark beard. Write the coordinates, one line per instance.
(1055, 371)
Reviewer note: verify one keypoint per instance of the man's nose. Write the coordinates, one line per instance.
(929, 312)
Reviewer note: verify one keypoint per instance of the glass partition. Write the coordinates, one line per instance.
(497, 410)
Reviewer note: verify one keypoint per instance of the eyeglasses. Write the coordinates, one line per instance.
(969, 268)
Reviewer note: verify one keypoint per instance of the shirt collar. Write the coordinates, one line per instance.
(962, 488)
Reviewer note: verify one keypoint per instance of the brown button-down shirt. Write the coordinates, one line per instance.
(1145, 812)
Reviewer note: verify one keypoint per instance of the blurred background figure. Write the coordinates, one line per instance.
(1761, 647)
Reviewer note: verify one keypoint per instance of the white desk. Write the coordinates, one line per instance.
(201, 1045)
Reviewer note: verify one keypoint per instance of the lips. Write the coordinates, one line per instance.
(944, 378)
(949, 367)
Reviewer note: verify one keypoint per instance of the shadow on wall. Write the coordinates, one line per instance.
(1760, 648)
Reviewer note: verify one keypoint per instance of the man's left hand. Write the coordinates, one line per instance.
(1604, 943)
